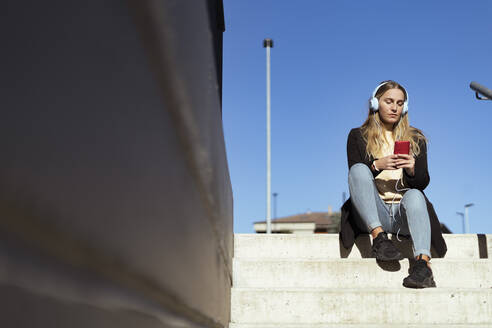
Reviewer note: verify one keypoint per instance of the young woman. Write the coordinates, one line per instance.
(386, 190)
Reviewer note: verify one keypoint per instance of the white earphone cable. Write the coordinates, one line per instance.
(399, 207)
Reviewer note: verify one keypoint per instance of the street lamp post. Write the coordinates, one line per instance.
(268, 43)
(467, 221)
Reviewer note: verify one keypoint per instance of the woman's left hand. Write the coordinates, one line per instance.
(407, 162)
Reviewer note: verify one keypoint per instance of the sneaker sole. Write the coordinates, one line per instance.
(427, 283)
(388, 259)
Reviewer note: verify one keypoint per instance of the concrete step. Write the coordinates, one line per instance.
(361, 306)
(240, 325)
(340, 273)
(326, 246)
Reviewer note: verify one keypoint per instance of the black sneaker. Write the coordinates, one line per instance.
(383, 249)
(420, 276)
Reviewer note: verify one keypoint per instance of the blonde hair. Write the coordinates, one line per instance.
(373, 134)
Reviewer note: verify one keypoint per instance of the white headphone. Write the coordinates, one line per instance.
(374, 102)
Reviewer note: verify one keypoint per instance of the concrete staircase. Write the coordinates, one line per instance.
(296, 281)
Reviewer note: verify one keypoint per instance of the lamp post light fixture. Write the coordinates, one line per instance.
(481, 92)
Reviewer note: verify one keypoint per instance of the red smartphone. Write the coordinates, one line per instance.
(402, 147)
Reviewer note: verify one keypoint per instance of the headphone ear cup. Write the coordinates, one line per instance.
(405, 108)
(374, 103)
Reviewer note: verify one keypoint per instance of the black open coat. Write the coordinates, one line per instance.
(356, 153)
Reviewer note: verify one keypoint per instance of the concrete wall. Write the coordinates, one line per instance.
(115, 197)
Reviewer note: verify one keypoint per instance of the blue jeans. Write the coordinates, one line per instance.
(413, 219)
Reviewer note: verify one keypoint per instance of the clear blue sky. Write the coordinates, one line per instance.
(327, 58)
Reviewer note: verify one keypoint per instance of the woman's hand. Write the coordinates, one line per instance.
(407, 162)
(387, 163)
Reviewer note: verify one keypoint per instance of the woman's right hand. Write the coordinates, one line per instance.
(386, 163)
